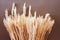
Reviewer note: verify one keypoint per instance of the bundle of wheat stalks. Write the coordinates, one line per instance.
(21, 27)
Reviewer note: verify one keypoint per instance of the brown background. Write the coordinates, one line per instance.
(41, 6)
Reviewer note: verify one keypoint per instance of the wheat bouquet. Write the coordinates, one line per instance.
(22, 27)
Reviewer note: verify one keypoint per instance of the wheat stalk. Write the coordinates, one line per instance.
(21, 27)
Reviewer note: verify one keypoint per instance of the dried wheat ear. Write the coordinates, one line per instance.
(21, 27)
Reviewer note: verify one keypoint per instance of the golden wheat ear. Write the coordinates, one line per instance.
(21, 27)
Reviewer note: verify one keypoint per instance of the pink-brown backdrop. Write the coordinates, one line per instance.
(41, 6)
